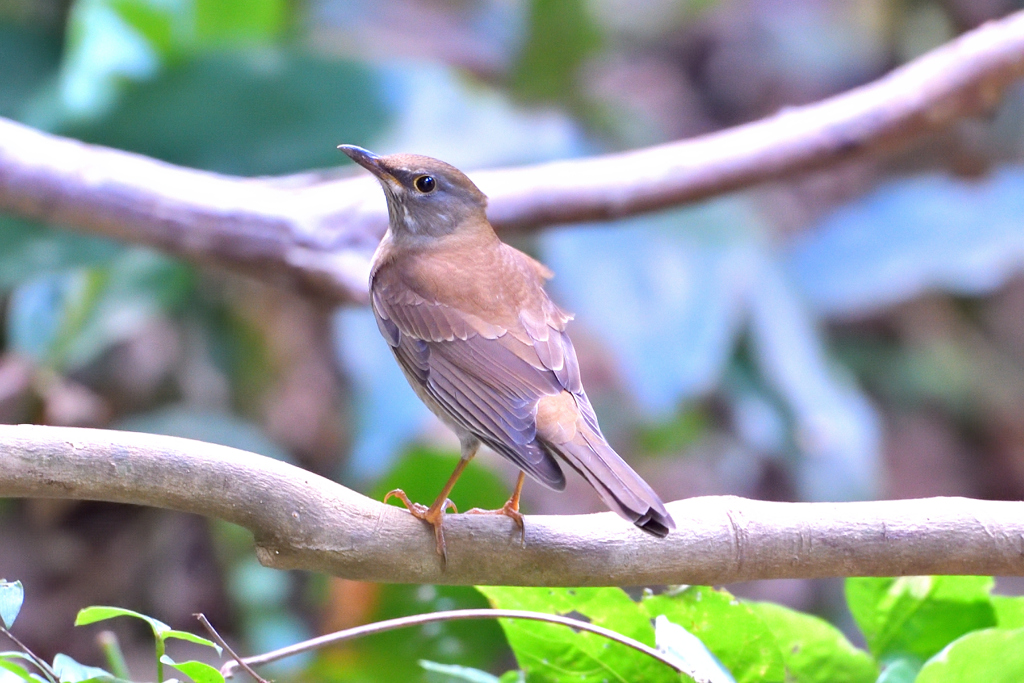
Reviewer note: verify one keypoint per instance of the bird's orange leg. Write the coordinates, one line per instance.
(509, 509)
(434, 515)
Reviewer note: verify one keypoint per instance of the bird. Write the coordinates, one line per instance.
(484, 346)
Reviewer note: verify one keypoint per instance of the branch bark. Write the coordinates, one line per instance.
(302, 521)
(317, 235)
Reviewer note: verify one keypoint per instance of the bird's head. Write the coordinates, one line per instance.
(426, 197)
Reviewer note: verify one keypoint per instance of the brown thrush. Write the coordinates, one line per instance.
(483, 346)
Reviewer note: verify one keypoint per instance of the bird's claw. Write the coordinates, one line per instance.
(418, 510)
(511, 510)
(433, 515)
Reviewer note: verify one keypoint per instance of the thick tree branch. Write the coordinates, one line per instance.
(317, 235)
(302, 521)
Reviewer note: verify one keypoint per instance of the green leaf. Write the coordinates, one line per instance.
(12, 655)
(918, 615)
(1009, 611)
(12, 595)
(459, 673)
(514, 676)
(990, 655)
(91, 615)
(200, 672)
(71, 671)
(13, 667)
(691, 654)
(814, 651)
(731, 630)
(42, 666)
(192, 638)
(550, 652)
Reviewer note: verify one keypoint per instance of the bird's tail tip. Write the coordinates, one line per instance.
(621, 488)
(656, 522)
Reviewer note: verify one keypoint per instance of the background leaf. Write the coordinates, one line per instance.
(918, 615)
(730, 629)
(930, 232)
(455, 672)
(71, 671)
(550, 652)
(991, 655)
(200, 672)
(686, 648)
(1009, 611)
(14, 669)
(92, 615)
(12, 596)
(814, 651)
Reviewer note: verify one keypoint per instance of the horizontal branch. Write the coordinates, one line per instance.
(303, 521)
(317, 235)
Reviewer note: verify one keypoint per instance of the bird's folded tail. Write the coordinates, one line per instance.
(584, 448)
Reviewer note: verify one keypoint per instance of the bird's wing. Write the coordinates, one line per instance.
(487, 378)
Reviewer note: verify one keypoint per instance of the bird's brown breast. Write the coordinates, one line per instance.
(475, 274)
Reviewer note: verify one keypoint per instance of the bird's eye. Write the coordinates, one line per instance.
(425, 183)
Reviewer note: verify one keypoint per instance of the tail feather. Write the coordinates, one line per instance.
(622, 489)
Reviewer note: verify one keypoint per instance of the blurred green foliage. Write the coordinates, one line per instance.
(422, 472)
(36, 55)
(676, 433)
(249, 113)
(560, 37)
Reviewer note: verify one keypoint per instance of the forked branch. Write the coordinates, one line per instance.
(316, 235)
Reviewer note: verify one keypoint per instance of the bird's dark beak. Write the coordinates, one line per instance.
(367, 159)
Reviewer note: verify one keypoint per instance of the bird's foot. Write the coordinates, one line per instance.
(433, 515)
(511, 510)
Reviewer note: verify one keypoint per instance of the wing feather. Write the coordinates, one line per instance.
(485, 378)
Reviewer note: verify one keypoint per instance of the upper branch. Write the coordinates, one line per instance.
(302, 521)
(317, 235)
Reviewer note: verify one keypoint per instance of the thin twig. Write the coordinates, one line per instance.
(227, 648)
(450, 615)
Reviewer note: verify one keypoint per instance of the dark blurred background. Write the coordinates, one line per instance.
(854, 333)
